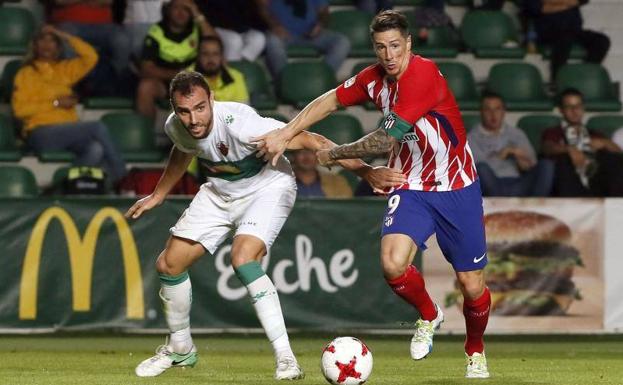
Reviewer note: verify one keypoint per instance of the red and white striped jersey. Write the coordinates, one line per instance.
(434, 155)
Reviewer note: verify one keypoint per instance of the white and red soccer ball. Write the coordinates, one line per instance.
(346, 361)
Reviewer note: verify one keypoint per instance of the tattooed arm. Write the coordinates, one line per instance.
(375, 143)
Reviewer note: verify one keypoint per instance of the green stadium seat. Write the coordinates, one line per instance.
(17, 182)
(606, 124)
(134, 136)
(16, 29)
(108, 103)
(8, 148)
(339, 127)
(593, 81)
(521, 86)
(461, 81)
(301, 82)
(355, 25)
(470, 121)
(302, 50)
(577, 52)
(491, 34)
(7, 78)
(260, 90)
(442, 42)
(534, 125)
(55, 156)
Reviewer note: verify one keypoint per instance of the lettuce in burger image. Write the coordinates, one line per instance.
(531, 263)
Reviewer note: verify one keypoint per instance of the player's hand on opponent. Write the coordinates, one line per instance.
(142, 205)
(271, 145)
(382, 177)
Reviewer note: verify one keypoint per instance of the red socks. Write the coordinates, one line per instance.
(410, 286)
(476, 314)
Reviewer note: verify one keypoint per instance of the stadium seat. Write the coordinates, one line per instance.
(302, 50)
(339, 127)
(491, 34)
(461, 81)
(606, 124)
(16, 28)
(8, 149)
(521, 86)
(260, 91)
(108, 103)
(17, 182)
(55, 156)
(577, 52)
(534, 125)
(134, 135)
(442, 41)
(593, 81)
(301, 82)
(470, 121)
(355, 25)
(7, 78)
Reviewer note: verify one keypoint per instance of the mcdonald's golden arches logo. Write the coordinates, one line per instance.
(81, 255)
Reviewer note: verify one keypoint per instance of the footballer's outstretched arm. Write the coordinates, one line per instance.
(377, 142)
(174, 170)
(378, 177)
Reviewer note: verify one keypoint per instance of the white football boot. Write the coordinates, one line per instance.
(288, 369)
(422, 341)
(476, 366)
(164, 359)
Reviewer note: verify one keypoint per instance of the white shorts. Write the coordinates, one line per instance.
(209, 219)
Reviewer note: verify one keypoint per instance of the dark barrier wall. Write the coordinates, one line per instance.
(78, 264)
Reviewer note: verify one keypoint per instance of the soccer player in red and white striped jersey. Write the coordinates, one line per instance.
(424, 135)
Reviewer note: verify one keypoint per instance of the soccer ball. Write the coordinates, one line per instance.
(346, 361)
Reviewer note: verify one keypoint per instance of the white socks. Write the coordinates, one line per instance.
(176, 295)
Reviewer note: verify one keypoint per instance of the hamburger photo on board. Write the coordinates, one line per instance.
(531, 264)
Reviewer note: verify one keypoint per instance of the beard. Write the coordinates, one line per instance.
(209, 72)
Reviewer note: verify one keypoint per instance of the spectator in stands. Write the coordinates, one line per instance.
(93, 22)
(301, 22)
(617, 137)
(312, 182)
(240, 26)
(44, 102)
(140, 15)
(170, 46)
(505, 160)
(559, 25)
(587, 163)
(227, 83)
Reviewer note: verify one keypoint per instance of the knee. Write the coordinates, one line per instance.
(147, 88)
(472, 284)
(393, 265)
(242, 253)
(163, 266)
(274, 42)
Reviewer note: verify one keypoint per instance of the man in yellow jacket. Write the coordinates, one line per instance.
(44, 101)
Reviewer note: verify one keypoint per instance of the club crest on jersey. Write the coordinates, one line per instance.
(229, 119)
(389, 122)
(389, 220)
(350, 82)
(223, 148)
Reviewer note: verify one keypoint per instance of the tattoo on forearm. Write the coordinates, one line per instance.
(375, 143)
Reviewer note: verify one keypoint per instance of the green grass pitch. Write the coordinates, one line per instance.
(231, 360)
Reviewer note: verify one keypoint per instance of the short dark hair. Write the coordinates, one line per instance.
(569, 92)
(389, 19)
(184, 82)
(488, 94)
(212, 39)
